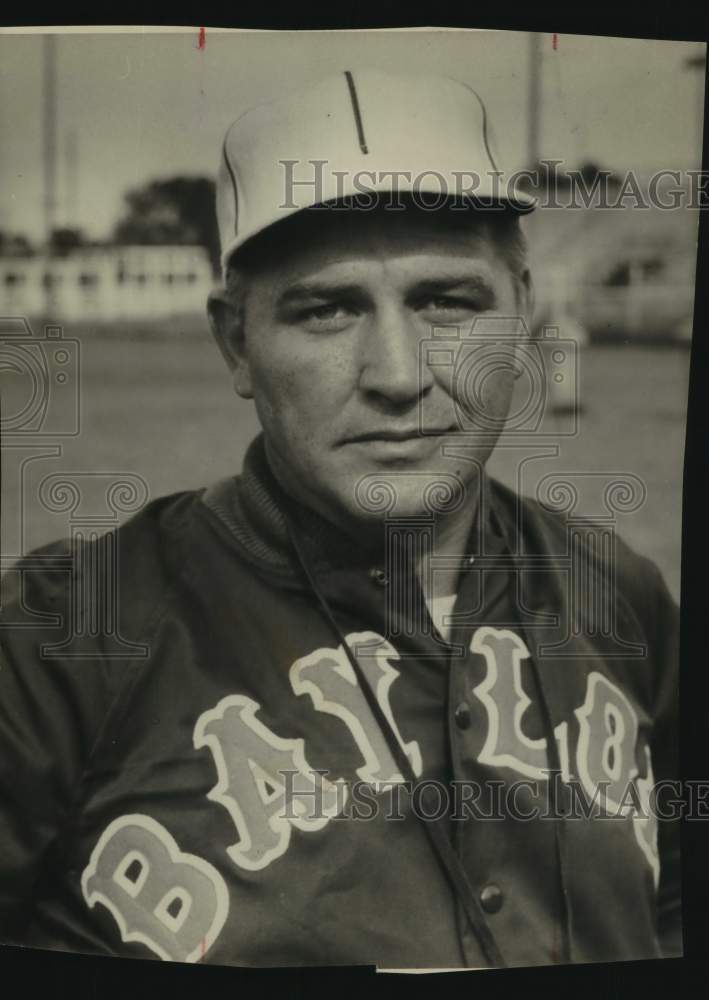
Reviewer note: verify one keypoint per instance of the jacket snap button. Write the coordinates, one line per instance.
(462, 715)
(491, 898)
(379, 576)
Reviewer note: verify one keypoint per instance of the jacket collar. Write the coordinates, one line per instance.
(255, 510)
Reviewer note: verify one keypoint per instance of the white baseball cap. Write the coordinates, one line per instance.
(356, 132)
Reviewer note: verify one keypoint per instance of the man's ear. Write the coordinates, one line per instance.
(526, 297)
(524, 294)
(227, 325)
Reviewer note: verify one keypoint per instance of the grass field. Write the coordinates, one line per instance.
(162, 408)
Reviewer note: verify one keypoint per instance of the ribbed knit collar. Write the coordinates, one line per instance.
(255, 511)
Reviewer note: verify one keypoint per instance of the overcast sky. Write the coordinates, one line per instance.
(150, 104)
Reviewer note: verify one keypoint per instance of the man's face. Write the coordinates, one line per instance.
(332, 347)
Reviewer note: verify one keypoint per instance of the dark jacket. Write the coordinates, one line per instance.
(160, 688)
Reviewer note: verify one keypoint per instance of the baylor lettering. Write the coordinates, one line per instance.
(251, 762)
(327, 676)
(172, 902)
(502, 693)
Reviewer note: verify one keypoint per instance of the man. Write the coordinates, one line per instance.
(350, 718)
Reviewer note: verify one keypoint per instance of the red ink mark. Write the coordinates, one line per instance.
(202, 943)
(202, 39)
(553, 40)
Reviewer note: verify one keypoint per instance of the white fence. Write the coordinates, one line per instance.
(100, 284)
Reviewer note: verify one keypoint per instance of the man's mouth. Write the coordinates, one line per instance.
(392, 443)
(399, 434)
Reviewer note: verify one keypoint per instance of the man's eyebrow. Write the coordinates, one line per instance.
(470, 284)
(308, 290)
(450, 282)
(305, 291)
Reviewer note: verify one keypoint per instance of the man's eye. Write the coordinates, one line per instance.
(444, 303)
(327, 316)
(326, 311)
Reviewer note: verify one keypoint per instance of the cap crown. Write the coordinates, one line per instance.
(364, 130)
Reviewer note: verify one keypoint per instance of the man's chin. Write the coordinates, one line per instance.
(379, 496)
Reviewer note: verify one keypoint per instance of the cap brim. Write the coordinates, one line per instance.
(519, 203)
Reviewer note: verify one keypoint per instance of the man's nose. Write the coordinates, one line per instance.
(390, 361)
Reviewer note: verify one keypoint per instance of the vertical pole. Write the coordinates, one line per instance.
(50, 132)
(71, 154)
(49, 142)
(534, 108)
(698, 62)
